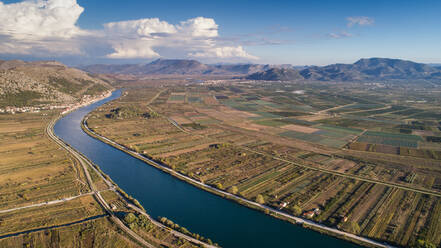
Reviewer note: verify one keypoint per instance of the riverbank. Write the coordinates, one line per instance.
(253, 205)
(130, 202)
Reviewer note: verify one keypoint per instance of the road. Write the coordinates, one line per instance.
(85, 164)
(235, 197)
(52, 227)
(350, 176)
(45, 203)
(176, 233)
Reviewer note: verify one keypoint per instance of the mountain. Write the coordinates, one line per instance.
(362, 70)
(178, 67)
(276, 74)
(45, 82)
(371, 69)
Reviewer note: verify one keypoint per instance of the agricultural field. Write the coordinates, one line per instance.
(35, 170)
(360, 161)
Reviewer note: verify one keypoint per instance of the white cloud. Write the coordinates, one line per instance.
(359, 20)
(199, 27)
(340, 35)
(195, 37)
(40, 19)
(141, 28)
(40, 26)
(48, 28)
(223, 52)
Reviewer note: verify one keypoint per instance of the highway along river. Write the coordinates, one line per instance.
(223, 221)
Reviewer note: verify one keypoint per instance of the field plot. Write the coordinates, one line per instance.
(236, 142)
(32, 168)
(357, 107)
(335, 139)
(100, 232)
(390, 139)
(302, 129)
(57, 214)
(176, 98)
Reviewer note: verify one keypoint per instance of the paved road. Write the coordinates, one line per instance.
(85, 164)
(101, 200)
(210, 188)
(176, 233)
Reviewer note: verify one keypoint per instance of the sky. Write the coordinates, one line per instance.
(223, 31)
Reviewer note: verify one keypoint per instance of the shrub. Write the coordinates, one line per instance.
(233, 190)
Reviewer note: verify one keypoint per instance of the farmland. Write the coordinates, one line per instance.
(345, 158)
(45, 196)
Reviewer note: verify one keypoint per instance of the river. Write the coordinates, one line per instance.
(223, 221)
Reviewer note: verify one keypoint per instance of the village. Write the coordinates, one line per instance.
(85, 100)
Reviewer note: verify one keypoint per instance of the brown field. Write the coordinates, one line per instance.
(182, 151)
(299, 128)
(315, 117)
(180, 119)
(100, 233)
(33, 169)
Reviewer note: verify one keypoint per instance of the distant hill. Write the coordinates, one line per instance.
(362, 70)
(44, 82)
(277, 74)
(178, 67)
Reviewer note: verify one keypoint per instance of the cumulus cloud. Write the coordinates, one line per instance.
(39, 25)
(195, 37)
(49, 27)
(359, 20)
(40, 19)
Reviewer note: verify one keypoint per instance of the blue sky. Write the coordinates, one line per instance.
(295, 32)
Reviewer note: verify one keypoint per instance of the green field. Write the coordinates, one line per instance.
(391, 139)
(341, 129)
(271, 123)
(177, 98)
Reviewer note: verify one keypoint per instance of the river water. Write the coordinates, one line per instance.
(223, 221)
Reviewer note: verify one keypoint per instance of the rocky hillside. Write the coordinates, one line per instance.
(362, 70)
(178, 67)
(276, 74)
(45, 82)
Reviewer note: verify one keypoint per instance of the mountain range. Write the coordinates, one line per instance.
(362, 70)
(372, 69)
(179, 67)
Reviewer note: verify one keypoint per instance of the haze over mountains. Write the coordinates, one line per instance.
(362, 70)
(179, 67)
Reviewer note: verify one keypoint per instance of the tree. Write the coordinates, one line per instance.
(296, 210)
(130, 218)
(219, 186)
(233, 190)
(259, 199)
(424, 244)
